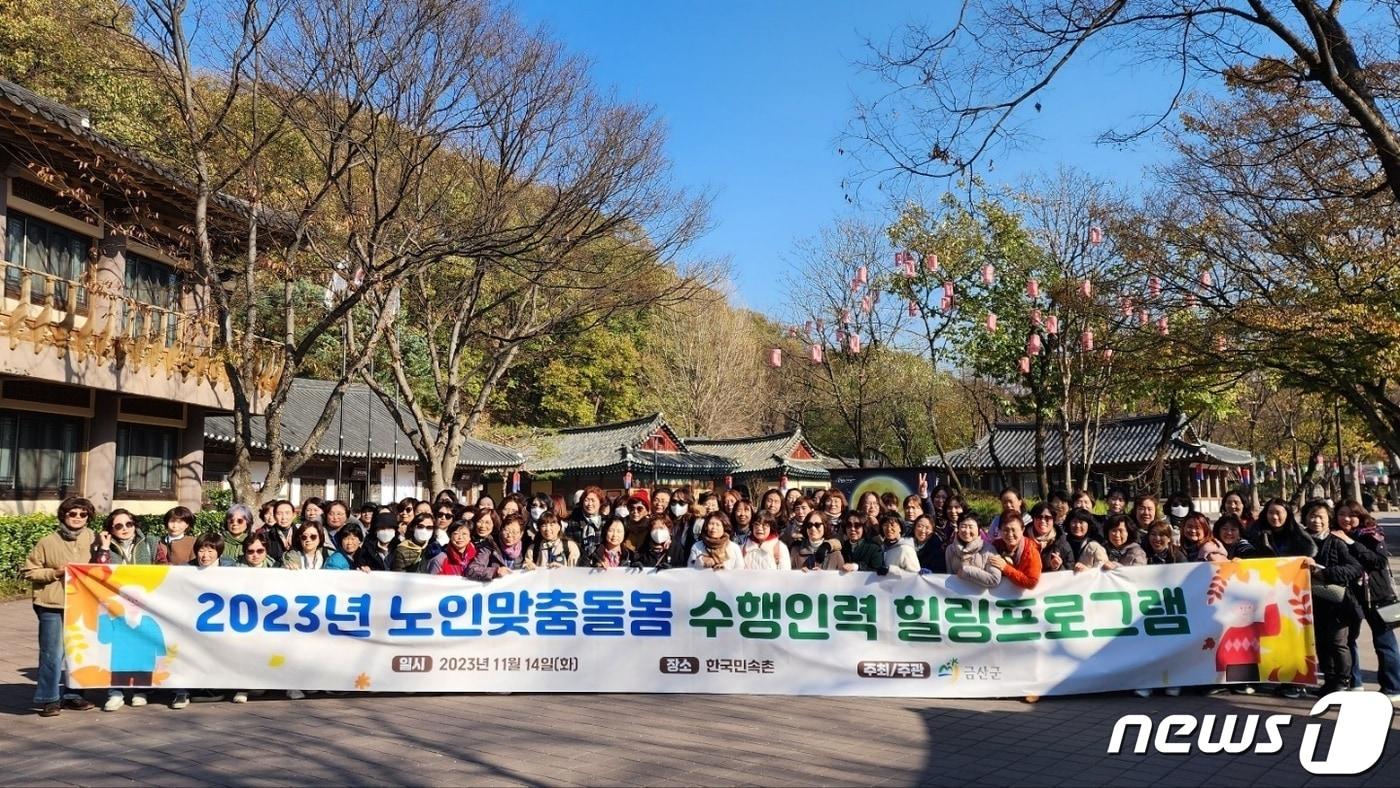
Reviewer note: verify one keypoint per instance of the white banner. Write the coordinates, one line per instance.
(681, 630)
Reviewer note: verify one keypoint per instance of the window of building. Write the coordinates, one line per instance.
(145, 459)
(36, 245)
(38, 453)
(153, 283)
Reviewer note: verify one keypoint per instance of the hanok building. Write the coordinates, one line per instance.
(362, 456)
(784, 459)
(1126, 448)
(642, 452)
(106, 370)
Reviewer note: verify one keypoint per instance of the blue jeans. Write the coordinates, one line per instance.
(1387, 656)
(50, 688)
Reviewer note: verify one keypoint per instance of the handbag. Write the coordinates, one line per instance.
(1390, 614)
(1329, 592)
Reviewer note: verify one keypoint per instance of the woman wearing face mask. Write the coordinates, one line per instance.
(1229, 532)
(553, 550)
(658, 549)
(1336, 609)
(714, 550)
(587, 521)
(1054, 550)
(1081, 532)
(900, 556)
(538, 505)
(763, 549)
(457, 555)
(1366, 541)
(377, 554)
(310, 552)
(1198, 542)
(408, 556)
(1179, 505)
(236, 528)
(1121, 547)
(969, 558)
(612, 551)
(817, 550)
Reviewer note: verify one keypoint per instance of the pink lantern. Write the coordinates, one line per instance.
(930, 262)
(845, 317)
(816, 354)
(1206, 280)
(821, 325)
(1191, 301)
(1052, 325)
(1086, 289)
(913, 309)
(1033, 345)
(1219, 343)
(1086, 341)
(866, 304)
(1024, 365)
(775, 357)
(1126, 305)
(1142, 317)
(948, 288)
(989, 274)
(840, 336)
(1162, 325)
(855, 286)
(853, 342)
(945, 304)
(1033, 288)
(1154, 287)
(792, 331)
(862, 275)
(992, 322)
(1107, 354)
(807, 327)
(1095, 235)
(1035, 317)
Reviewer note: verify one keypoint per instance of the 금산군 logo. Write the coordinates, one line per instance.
(1358, 738)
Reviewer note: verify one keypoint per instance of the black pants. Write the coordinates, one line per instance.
(137, 679)
(1333, 655)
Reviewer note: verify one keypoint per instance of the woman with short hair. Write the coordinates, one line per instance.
(714, 550)
(70, 543)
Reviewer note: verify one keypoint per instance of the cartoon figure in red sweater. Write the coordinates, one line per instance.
(1237, 654)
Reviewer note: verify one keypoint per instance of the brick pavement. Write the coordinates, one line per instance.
(621, 739)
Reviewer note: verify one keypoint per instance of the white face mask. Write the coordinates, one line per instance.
(1180, 511)
(621, 511)
(660, 535)
(422, 534)
(678, 509)
(536, 512)
(385, 535)
(442, 538)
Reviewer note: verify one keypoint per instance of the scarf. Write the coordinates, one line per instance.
(70, 534)
(1043, 540)
(612, 558)
(717, 548)
(456, 562)
(550, 552)
(512, 554)
(125, 548)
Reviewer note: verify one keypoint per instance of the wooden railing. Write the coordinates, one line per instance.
(89, 320)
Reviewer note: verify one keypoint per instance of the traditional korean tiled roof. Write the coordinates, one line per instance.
(1129, 441)
(620, 446)
(769, 454)
(367, 426)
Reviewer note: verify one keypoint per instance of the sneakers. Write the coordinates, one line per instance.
(295, 694)
(1217, 690)
(77, 703)
(114, 701)
(1143, 693)
(1357, 688)
(138, 699)
(182, 699)
(1292, 691)
(1245, 690)
(1173, 691)
(240, 697)
(50, 709)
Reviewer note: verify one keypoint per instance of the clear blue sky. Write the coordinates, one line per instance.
(755, 95)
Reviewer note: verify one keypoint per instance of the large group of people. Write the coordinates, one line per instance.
(724, 530)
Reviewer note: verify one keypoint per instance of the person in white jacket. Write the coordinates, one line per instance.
(968, 556)
(714, 550)
(763, 549)
(900, 555)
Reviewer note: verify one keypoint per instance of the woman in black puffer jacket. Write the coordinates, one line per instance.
(1366, 541)
(1334, 570)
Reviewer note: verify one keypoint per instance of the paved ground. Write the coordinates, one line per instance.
(620, 739)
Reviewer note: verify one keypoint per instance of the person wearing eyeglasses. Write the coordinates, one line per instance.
(255, 554)
(310, 552)
(121, 542)
(236, 530)
(638, 523)
(816, 550)
(70, 543)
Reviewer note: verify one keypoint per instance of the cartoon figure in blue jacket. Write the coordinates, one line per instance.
(136, 641)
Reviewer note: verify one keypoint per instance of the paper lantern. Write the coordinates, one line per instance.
(1052, 325)
(989, 274)
(853, 342)
(792, 331)
(816, 354)
(845, 317)
(1220, 343)
(992, 322)
(1095, 235)
(1142, 317)
(1107, 354)
(840, 336)
(1033, 288)
(775, 357)
(866, 304)
(913, 309)
(945, 304)
(1125, 304)
(1086, 289)
(1035, 317)
(627, 480)
(948, 288)
(862, 275)
(930, 262)
(1086, 341)
(856, 285)
(1033, 345)
(1024, 365)
(1191, 301)
(807, 327)
(1162, 325)
(1206, 280)
(1154, 287)
(821, 325)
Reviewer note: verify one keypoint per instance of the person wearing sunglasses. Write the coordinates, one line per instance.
(255, 554)
(121, 542)
(70, 543)
(238, 522)
(310, 552)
